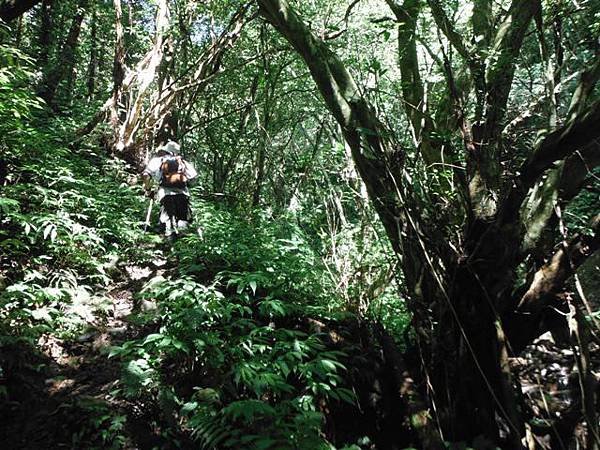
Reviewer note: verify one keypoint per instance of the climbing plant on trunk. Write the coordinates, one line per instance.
(469, 293)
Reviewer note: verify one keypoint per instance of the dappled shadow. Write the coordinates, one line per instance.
(551, 391)
(61, 393)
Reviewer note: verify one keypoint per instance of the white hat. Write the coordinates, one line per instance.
(171, 147)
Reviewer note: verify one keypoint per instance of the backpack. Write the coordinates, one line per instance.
(172, 170)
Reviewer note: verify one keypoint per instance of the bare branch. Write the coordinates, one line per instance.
(549, 280)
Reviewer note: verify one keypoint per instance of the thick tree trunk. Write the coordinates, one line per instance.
(470, 370)
(66, 60)
(378, 162)
(475, 316)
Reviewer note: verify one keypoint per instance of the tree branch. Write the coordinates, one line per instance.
(588, 80)
(444, 24)
(576, 134)
(549, 279)
(11, 9)
(579, 132)
(482, 21)
(411, 83)
(503, 55)
(560, 186)
(378, 162)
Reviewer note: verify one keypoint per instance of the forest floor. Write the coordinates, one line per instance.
(70, 384)
(69, 388)
(549, 378)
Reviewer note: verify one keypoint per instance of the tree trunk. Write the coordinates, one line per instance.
(118, 73)
(467, 300)
(377, 160)
(93, 64)
(45, 33)
(66, 60)
(413, 91)
(126, 132)
(483, 156)
(264, 123)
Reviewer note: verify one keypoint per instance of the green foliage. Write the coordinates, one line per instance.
(65, 217)
(64, 221)
(18, 105)
(230, 355)
(234, 350)
(102, 427)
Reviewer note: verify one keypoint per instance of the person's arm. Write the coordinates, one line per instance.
(150, 173)
(147, 181)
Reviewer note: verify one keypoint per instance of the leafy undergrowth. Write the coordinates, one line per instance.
(234, 338)
(243, 352)
(67, 220)
(69, 227)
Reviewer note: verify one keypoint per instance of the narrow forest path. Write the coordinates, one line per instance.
(70, 385)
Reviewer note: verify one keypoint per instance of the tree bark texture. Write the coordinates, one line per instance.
(379, 164)
(377, 160)
(413, 91)
(263, 121)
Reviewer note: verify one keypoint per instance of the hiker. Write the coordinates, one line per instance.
(172, 173)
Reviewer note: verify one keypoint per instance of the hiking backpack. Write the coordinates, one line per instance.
(172, 171)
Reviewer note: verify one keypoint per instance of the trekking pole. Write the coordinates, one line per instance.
(148, 214)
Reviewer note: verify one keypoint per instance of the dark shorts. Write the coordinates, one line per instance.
(177, 207)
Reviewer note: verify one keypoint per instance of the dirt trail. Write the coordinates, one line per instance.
(66, 387)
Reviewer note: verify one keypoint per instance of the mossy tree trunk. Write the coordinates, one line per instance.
(471, 295)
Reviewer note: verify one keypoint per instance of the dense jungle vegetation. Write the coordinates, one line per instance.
(395, 237)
